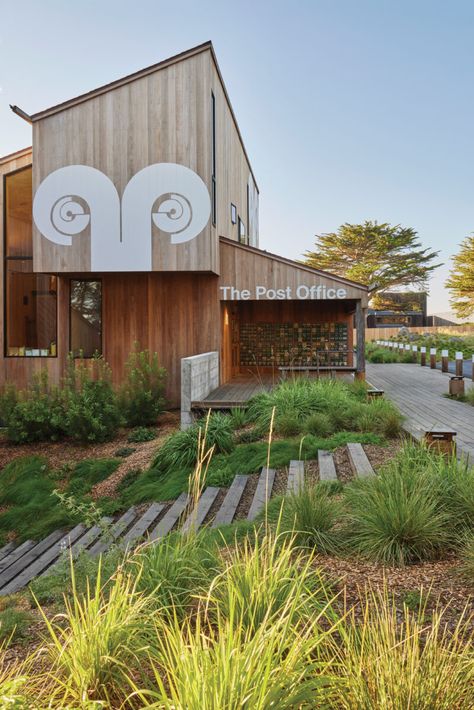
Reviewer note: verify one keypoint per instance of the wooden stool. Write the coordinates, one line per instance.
(374, 393)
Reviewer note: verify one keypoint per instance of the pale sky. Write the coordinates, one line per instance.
(349, 109)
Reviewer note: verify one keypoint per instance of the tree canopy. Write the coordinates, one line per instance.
(461, 280)
(381, 256)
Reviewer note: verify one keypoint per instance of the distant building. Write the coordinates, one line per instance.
(394, 310)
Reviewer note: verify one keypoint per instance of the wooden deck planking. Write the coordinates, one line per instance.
(16, 554)
(115, 532)
(295, 477)
(262, 492)
(27, 559)
(197, 516)
(141, 526)
(327, 468)
(44, 561)
(418, 393)
(235, 393)
(170, 518)
(359, 461)
(6, 549)
(226, 512)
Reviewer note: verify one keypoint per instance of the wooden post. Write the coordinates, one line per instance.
(414, 349)
(360, 346)
(433, 358)
(423, 356)
(444, 360)
(459, 364)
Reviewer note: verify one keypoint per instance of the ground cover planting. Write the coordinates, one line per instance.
(356, 592)
(440, 341)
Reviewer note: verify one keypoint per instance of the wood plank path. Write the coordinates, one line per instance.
(20, 564)
(418, 393)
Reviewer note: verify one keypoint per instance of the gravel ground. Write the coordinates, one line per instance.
(342, 463)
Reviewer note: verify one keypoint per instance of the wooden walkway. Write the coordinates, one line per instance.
(418, 393)
(20, 564)
(236, 392)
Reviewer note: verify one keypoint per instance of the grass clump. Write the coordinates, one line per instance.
(14, 622)
(395, 517)
(313, 515)
(141, 434)
(392, 664)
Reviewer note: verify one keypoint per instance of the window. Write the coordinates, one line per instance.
(85, 318)
(213, 148)
(30, 299)
(242, 234)
(233, 213)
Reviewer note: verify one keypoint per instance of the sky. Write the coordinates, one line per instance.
(349, 109)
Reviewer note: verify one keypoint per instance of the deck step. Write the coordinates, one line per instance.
(29, 557)
(359, 461)
(262, 492)
(44, 561)
(226, 512)
(170, 518)
(327, 468)
(143, 523)
(6, 549)
(16, 554)
(295, 477)
(106, 540)
(197, 516)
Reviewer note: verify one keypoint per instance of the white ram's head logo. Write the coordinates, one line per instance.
(75, 198)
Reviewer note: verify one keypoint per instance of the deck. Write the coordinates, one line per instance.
(236, 392)
(418, 393)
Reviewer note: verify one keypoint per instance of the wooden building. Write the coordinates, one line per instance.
(134, 218)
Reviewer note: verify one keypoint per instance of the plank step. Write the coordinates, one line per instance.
(6, 549)
(43, 561)
(262, 492)
(170, 518)
(28, 558)
(295, 477)
(106, 540)
(359, 461)
(226, 512)
(89, 537)
(143, 523)
(197, 516)
(16, 554)
(327, 468)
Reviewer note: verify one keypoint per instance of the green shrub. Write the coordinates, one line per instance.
(248, 436)
(395, 518)
(466, 554)
(313, 515)
(92, 413)
(14, 622)
(38, 414)
(180, 450)
(8, 400)
(238, 417)
(288, 424)
(142, 393)
(381, 417)
(319, 424)
(141, 434)
(124, 451)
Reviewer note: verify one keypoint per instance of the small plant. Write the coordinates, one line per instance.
(38, 414)
(313, 515)
(8, 401)
(288, 424)
(142, 394)
(395, 518)
(124, 451)
(14, 622)
(466, 554)
(319, 424)
(92, 411)
(238, 417)
(141, 434)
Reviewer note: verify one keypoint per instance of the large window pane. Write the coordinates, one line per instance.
(86, 318)
(30, 299)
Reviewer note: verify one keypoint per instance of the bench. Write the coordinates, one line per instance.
(374, 393)
(314, 368)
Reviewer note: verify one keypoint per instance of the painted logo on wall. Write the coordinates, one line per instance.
(78, 197)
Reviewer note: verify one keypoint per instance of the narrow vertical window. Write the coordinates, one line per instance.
(85, 317)
(30, 317)
(213, 148)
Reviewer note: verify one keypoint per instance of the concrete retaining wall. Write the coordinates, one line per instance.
(199, 376)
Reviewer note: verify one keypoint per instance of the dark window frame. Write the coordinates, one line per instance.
(233, 213)
(71, 351)
(6, 259)
(213, 160)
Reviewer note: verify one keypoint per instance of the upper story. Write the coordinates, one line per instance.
(143, 174)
